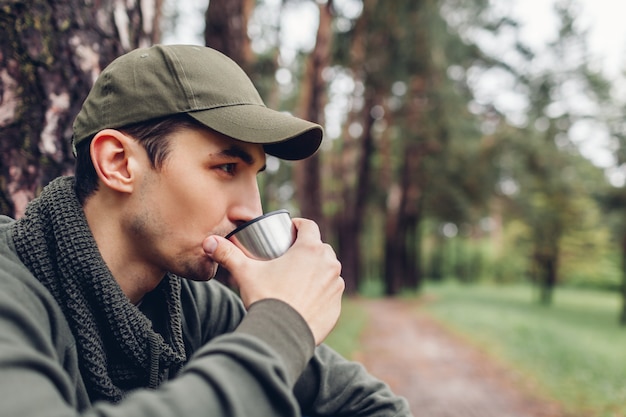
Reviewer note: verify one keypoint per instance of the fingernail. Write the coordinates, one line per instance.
(210, 244)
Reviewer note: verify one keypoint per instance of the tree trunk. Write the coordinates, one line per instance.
(411, 213)
(312, 101)
(50, 55)
(401, 264)
(351, 162)
(392, 272)
(402, 269)
(353, 215)
(547, 264)
(413, 277)
(227, 29)
(622, 319)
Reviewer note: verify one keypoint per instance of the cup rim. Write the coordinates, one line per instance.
(256, 219)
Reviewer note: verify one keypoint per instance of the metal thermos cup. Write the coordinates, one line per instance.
(265, 237)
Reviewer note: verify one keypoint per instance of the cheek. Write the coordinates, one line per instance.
(184, 193)
(193, 207)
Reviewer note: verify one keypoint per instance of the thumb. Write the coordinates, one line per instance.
(223, 251)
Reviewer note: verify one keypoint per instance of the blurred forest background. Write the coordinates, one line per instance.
(422, 176)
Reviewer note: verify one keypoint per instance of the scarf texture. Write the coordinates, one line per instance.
(118, 350)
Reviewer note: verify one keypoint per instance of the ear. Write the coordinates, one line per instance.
(113, 155)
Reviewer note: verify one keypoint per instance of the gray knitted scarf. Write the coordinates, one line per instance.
(117, 346)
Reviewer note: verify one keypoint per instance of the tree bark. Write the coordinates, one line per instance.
(50, 54)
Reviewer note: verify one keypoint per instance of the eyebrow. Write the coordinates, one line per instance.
(235, 151)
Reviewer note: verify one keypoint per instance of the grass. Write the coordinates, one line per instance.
(345, 337)
(574, 351)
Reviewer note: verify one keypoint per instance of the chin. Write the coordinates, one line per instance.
(199, 271)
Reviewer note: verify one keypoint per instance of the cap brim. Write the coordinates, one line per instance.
(282, 135)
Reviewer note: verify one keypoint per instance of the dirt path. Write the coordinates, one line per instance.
(439, 373)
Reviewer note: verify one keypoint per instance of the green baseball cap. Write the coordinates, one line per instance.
(166, 80)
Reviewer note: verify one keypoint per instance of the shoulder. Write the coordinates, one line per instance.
(29, 314)
(16, 281)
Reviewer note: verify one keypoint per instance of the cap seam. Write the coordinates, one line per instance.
(192, 95)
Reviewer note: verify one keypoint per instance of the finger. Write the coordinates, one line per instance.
(307, 228)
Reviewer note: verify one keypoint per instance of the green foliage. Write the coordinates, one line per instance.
(456, 258)
(588, 256)
(511, 256)
(573, 351)
(472, 161)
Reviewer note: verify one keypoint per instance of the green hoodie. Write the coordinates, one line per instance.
(262, 362)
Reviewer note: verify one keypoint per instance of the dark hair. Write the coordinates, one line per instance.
(153, 135)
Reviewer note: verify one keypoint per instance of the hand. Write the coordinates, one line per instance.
(307, 276)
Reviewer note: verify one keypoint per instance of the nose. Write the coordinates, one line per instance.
(247, 205)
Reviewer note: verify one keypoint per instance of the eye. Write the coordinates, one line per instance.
(228, 168)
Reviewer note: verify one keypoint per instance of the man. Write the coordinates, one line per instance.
(105, 308)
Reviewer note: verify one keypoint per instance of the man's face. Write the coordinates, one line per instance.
(207, 185)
